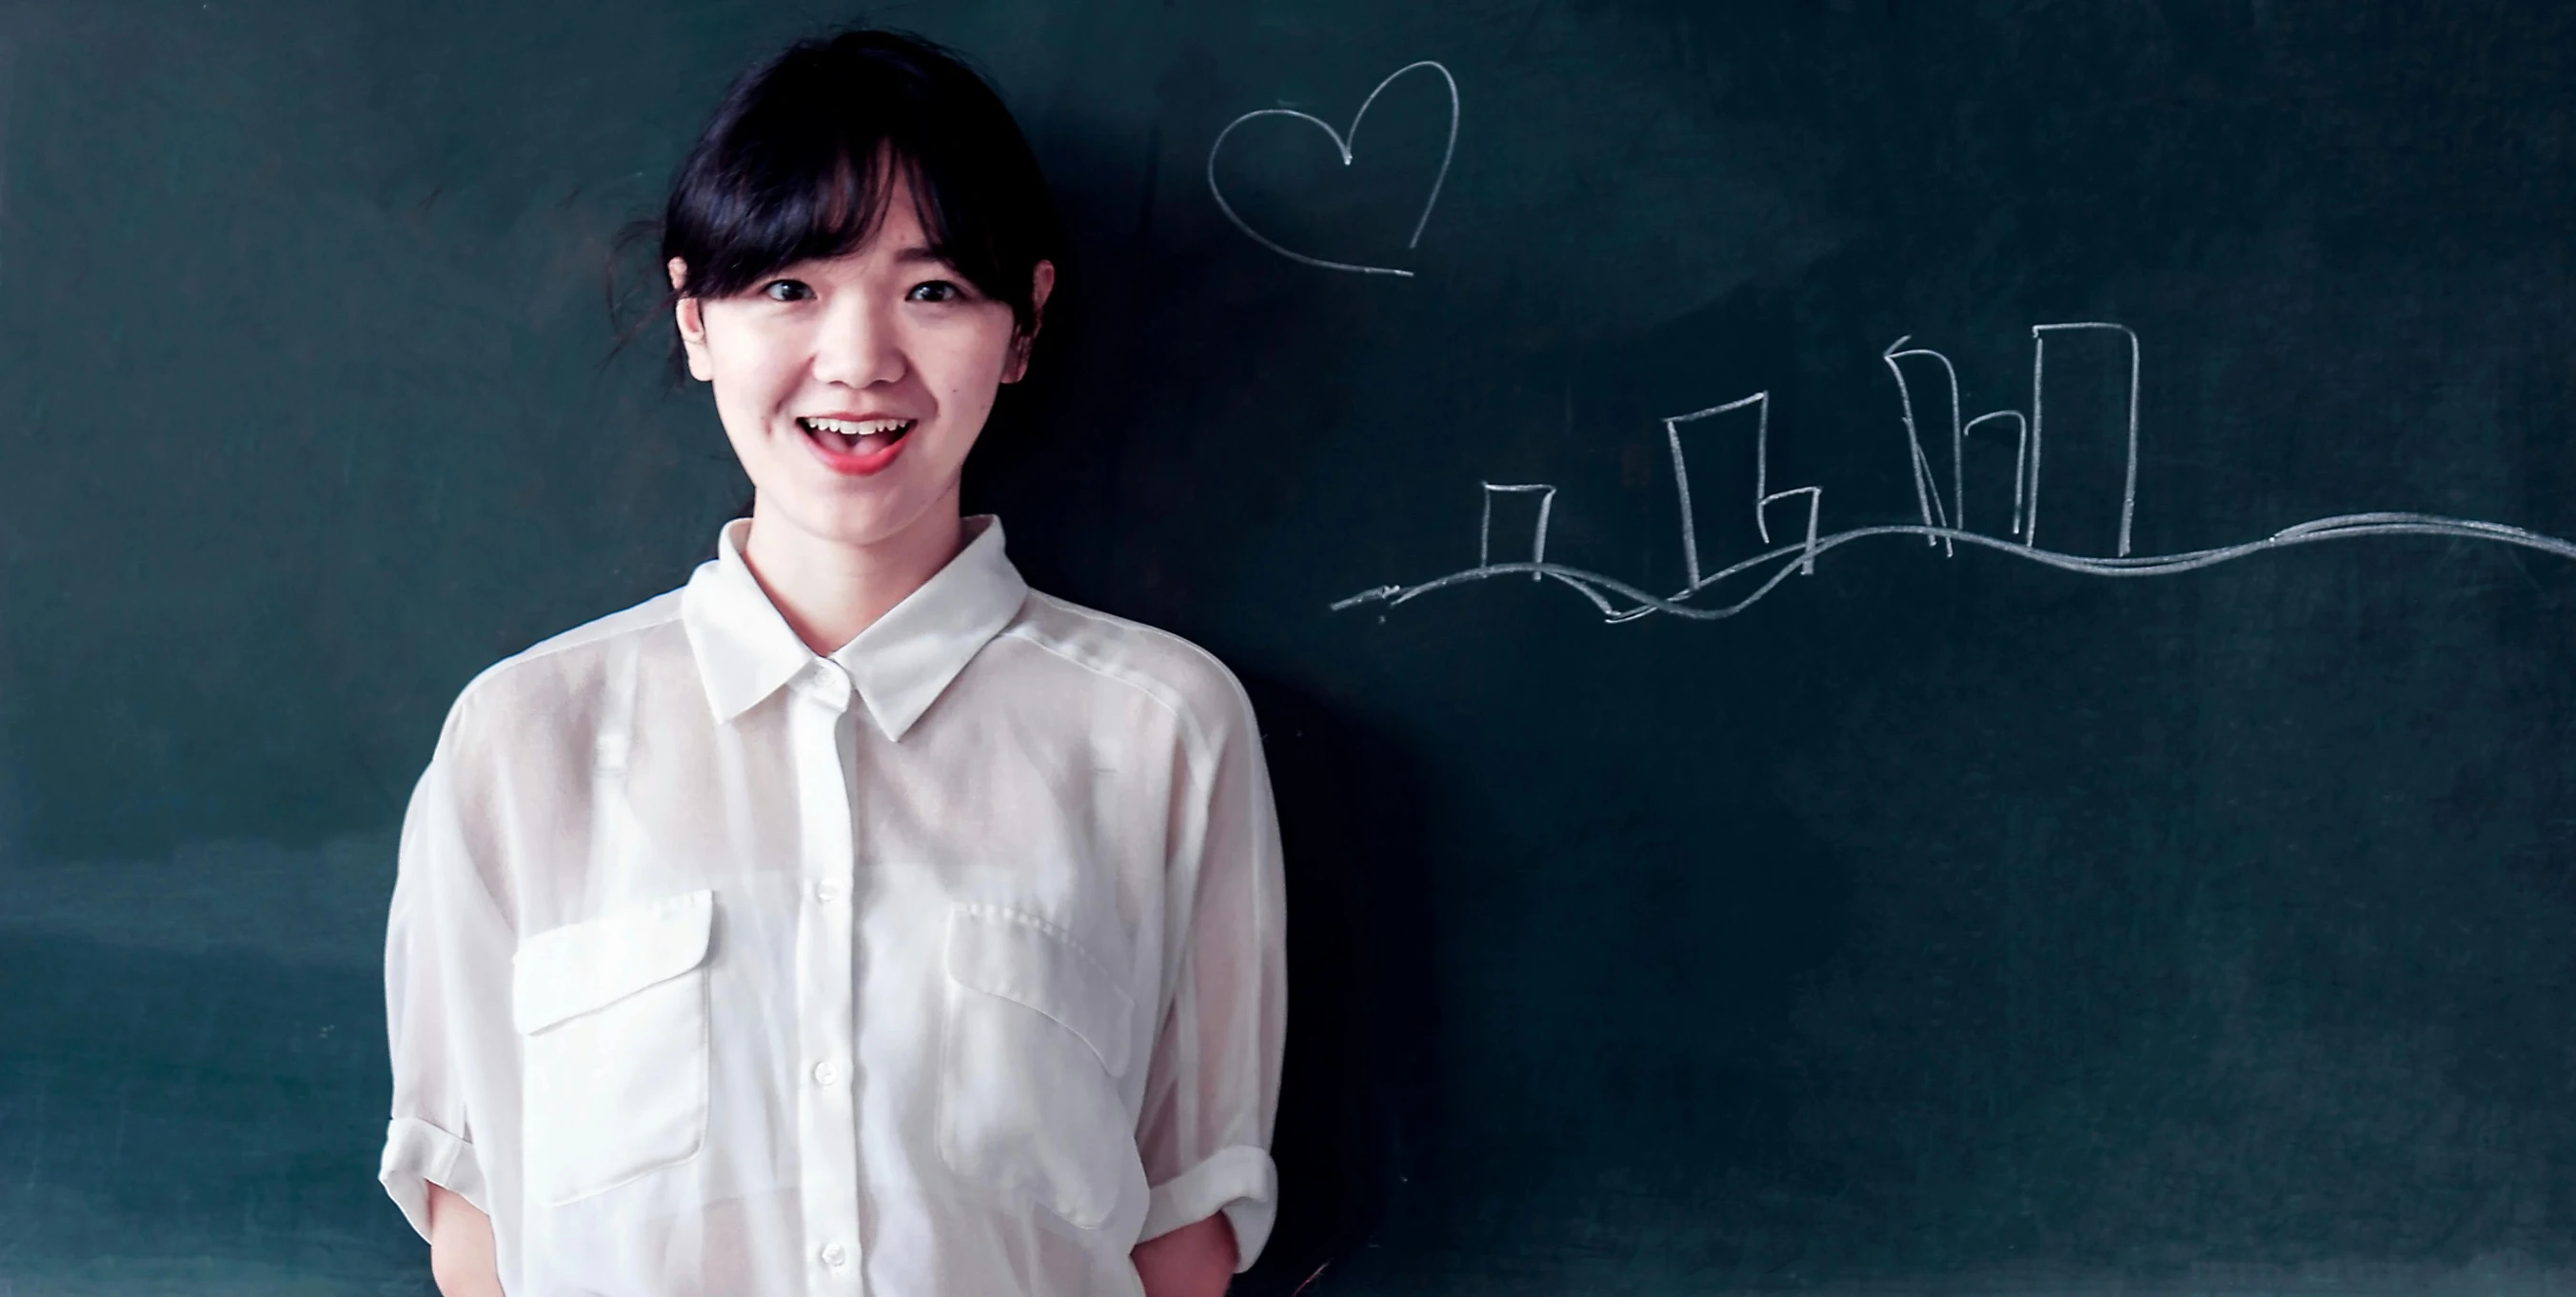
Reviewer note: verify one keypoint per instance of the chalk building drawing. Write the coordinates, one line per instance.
(1785, 522)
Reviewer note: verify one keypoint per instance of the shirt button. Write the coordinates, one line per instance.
(827, 890)
(826, 683)
(834, 1255)
(825, 1073)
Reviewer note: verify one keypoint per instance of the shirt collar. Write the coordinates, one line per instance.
(898, 666)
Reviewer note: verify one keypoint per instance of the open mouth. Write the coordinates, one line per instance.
(854, 436)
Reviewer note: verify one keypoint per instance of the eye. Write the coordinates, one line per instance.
(786, 290)
(936, 290)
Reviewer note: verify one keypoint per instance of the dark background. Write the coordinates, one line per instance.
(1946, 924)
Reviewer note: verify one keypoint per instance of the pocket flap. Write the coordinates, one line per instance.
(1020, 957)
(583, 966)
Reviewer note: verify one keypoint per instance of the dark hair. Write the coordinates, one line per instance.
(799, 159)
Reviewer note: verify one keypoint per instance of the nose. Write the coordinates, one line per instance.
(857, 345)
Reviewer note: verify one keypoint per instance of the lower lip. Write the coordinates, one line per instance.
(854, 464)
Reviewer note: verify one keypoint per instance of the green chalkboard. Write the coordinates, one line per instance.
(1905, 647)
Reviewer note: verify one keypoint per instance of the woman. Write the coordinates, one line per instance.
(853, 918)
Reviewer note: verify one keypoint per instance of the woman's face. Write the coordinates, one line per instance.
(852, 388)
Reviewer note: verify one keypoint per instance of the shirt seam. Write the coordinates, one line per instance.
(1051, 930)
(568, 640)
(1146, 685)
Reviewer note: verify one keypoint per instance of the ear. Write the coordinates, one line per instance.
(1042, 282)
(692, 322)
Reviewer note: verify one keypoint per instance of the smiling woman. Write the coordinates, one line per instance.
(856, 205)
(851, 387)
(854, 918)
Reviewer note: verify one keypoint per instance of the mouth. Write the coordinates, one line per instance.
(854, 445)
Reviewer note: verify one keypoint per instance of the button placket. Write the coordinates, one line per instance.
(827, 1114)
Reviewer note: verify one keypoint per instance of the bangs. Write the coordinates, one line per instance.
(801, 162)
(808, 210)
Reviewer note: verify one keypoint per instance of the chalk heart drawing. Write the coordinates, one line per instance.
(1342, 141)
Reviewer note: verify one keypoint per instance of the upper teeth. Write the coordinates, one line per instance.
(856, 427)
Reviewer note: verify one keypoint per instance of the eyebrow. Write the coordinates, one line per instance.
(919, 254)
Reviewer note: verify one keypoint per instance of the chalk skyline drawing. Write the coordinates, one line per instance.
(1708, 595)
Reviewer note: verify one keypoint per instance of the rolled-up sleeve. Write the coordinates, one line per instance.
(1212, 1091)
(447, 956)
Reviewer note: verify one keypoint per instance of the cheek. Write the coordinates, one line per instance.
(753, 375)
(968, 366)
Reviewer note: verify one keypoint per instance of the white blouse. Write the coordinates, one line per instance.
(949, 964)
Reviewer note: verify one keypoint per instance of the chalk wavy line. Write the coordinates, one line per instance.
(1620, 601)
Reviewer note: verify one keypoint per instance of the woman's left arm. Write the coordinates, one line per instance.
(1196, 1260)
(1212, 1084)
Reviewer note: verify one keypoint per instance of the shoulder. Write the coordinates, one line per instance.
(1135, 659)
(553, 684)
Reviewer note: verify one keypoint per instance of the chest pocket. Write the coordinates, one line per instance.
(1038, 1034)
(613, 1020)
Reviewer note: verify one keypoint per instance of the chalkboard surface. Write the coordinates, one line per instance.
(1905, 647)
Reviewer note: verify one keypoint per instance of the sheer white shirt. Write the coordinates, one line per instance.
(950, 963)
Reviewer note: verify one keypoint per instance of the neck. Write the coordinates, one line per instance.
(830, 590)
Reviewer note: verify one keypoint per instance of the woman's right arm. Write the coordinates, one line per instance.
(460, 1247)
(448, 943)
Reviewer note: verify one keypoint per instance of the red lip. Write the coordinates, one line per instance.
(855, 464)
